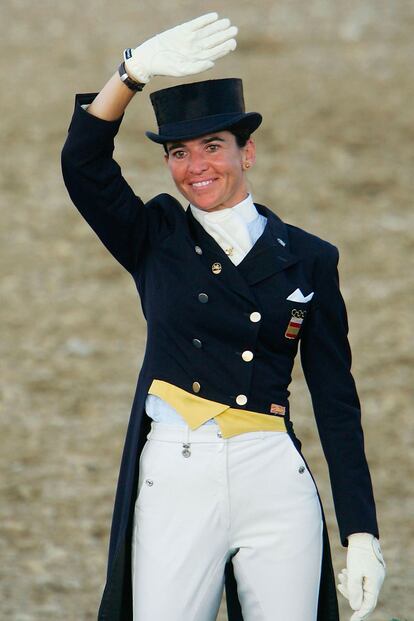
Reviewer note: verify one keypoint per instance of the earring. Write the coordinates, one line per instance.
(247, 165)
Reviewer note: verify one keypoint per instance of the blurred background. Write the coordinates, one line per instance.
(334, 82)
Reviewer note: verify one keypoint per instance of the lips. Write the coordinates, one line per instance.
(202, 183)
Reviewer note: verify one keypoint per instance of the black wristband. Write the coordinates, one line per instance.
(131, 84)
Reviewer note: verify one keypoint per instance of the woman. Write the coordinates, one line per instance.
(213, 487)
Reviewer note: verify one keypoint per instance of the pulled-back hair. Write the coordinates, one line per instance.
(242, 136)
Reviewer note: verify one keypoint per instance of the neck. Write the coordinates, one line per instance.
(247, 199)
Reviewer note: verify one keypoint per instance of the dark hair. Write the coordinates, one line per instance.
(241, 135)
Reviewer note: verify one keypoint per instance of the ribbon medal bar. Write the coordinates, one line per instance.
(294, 324)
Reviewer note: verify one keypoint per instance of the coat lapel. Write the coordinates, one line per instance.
(271, 253)
(267, 256)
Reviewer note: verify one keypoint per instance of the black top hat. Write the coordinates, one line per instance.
(190, 110)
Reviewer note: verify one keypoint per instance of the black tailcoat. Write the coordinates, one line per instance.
(156, 242)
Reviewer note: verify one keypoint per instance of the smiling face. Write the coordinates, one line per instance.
(209, 170)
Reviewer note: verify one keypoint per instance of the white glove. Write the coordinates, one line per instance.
(361, 582)
(184, 50)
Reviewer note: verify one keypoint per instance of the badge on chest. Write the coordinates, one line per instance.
(295, 323)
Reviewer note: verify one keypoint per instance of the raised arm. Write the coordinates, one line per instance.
(92, 177)
(111, 102)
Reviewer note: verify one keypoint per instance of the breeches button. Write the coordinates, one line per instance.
(186, 450)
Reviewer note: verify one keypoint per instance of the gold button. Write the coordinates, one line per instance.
(247, 355)
(216, 268)
(241, 399)
(196, 386)
(255, 317)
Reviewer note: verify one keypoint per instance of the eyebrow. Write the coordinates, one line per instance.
(180, 145)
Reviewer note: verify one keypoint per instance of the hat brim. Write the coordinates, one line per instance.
(186, 130)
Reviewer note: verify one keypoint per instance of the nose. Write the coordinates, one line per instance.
(197, 164)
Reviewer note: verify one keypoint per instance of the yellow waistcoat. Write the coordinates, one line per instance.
(197, 410)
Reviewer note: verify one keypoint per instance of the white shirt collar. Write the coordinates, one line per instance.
(245, 209)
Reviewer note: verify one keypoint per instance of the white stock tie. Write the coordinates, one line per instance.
(229, 229)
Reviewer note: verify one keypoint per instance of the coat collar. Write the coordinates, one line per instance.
(269, 255)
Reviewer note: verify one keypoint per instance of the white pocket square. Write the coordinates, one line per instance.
(297, 296)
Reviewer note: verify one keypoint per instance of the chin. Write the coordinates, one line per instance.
(205, 204)
(208, 207)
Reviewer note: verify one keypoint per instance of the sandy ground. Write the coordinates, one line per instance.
(334, 81)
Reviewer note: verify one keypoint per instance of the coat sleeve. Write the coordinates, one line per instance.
(326, 361)
(97, 188)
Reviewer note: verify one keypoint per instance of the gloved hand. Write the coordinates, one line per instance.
(189, 48)
(361, 581)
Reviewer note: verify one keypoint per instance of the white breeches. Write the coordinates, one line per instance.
(249, 498)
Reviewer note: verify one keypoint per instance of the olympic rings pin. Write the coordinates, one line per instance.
(292, 330)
